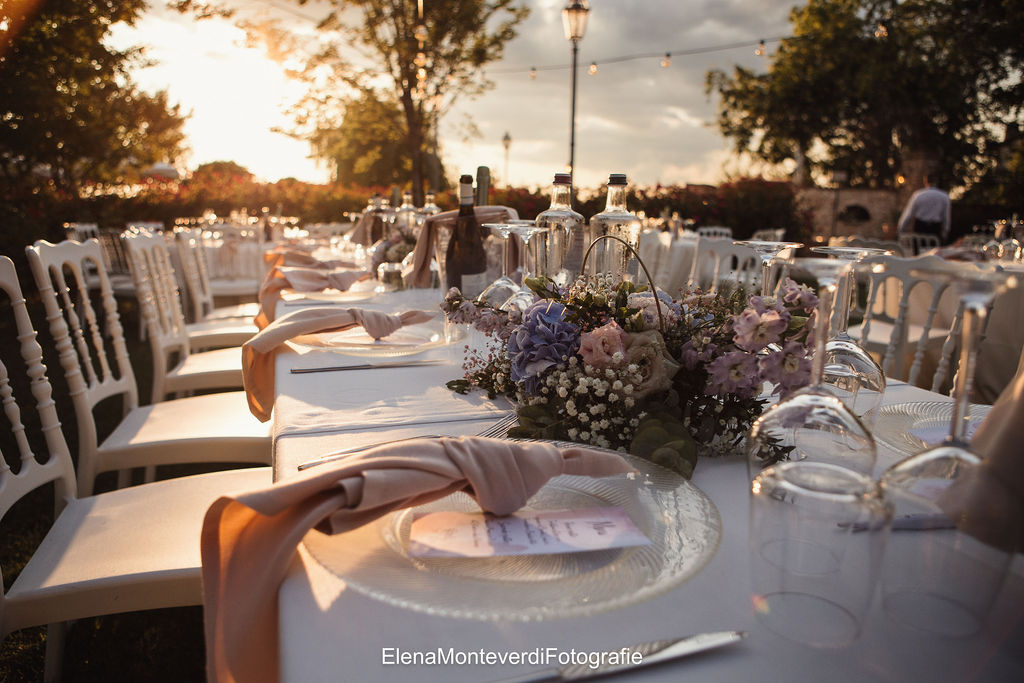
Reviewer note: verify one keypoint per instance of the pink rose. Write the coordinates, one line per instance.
(598, 347)
(647, 350)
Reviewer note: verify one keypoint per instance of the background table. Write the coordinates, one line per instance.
(332, 632)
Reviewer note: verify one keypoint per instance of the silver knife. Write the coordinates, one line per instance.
(368, 366)
(634, 657)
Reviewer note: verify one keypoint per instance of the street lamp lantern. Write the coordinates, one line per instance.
(506, 141)
(574, 20)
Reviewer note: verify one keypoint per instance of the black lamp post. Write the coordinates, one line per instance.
(506, 141)
(574, 20)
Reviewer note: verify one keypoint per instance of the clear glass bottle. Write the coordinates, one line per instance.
(465, 257)
(564, 252)
(405, 215)
(610, 256)
(430, 207)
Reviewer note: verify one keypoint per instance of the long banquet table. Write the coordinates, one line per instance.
(329, 631)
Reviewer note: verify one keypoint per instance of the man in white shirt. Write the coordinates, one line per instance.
(928, 211)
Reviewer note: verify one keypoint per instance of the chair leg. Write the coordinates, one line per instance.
(124, 478)
(149, 474)
(54, 662)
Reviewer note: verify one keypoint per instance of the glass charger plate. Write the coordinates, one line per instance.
(682, 523)
(406, 341)
(334, 295)
(894, 422)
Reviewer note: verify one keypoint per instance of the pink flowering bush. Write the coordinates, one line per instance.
(615, 365)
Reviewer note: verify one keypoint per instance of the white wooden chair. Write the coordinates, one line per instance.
(176, 368)
(718, 260)
(914, 243)
(770, 235)
(196, 272)
(715, 232)
(889, 335)
(131, 549)
(213, 428)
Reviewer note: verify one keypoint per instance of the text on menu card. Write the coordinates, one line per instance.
(527, 532)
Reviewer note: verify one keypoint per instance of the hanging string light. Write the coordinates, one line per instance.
(761, 50)
(421, 35)
(881, 31)
(666, 61)
(593, 68)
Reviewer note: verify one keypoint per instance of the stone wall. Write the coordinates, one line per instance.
(867, 213)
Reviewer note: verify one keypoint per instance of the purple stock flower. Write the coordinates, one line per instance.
(543, 341)
(799, 295)
(755, 331)
(787, 369)
(733, 373)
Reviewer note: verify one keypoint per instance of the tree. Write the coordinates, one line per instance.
(863, 85)
(420, 67)
(69, 112)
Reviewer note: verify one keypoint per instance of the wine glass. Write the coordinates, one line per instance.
(944, 578)
(505, 286)
(767, 250)
(532, 250)
(848, 367)
(813, 423)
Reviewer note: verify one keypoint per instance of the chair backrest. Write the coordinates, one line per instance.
(771, 235)
(913, 243)
(91, 349)
(159, 302)
(718, 259)
(33, 469)
(883, 272)
(715, 231)
(81, 231)
(192, 255)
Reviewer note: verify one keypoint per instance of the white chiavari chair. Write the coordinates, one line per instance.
(194, 266)
(719, 260)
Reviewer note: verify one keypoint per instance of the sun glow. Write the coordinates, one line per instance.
(236, 95)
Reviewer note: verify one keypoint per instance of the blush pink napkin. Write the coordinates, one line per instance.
(281, 278)
(248, 540)
(289, 256)
(419, 275)
(362, 233)
(258, 351)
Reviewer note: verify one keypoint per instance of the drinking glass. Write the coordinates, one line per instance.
(504, 286)
(851, 370)
(943, 577)
(817, 536)
(532, 249)
(768, 250)
(813, 423)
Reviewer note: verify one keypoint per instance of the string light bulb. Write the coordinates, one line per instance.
(761, 49)
(533, 73)
(666, 61)
(421, 59)
(593, 68)
(881, 31)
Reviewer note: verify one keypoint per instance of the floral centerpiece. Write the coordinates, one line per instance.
(605, 363)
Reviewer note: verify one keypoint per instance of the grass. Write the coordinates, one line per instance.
(158, 645)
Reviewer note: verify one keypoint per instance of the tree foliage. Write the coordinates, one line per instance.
(367, 62)
(69, 111)
(863, 84)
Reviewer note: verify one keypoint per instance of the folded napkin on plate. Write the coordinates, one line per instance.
(258, 352)
(288, 256)
(998, 485)
(303, 280)
(248, 540)
(365, 228)
(419, 275)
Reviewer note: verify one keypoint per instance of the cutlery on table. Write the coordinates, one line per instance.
(367, 366)
(651, 653)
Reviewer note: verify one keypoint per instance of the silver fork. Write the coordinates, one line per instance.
(498, 429)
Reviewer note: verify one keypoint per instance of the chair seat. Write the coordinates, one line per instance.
(881, 332)
(220, 369)
(220, 428)
(215, 334)
(229, 288)
(126, 550)
(249, 311)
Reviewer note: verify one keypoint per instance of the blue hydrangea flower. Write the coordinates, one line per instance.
(543, 341)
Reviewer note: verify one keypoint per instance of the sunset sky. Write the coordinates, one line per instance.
(634, 116)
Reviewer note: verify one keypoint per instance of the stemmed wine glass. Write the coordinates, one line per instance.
(967, 516)
(848, 367)
(813, 423)
(505, 286)
(767, 250)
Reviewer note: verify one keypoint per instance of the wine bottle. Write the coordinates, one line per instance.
(466, 260)
(564, 252)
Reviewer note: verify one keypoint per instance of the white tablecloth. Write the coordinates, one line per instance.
(330, 632)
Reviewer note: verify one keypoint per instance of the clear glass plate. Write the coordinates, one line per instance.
(335, 295)
(406, 341)
(895, 422)
(682, 523)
